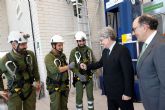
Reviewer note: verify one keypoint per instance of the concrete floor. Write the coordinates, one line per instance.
(99, 102)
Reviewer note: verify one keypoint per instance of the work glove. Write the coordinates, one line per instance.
(81, 77)
(71, 65)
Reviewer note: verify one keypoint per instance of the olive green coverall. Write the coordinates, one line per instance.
(57, 83)
(86, 57)
(22, 93)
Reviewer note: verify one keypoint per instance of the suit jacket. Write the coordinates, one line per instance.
(118, 75)
(151, 73)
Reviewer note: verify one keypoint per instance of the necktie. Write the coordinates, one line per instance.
(142, 51)
(107, 52)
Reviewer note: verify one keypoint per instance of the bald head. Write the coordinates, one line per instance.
(147, 19)
(143, 26)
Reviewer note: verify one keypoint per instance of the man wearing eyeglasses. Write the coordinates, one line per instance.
(81, 78)
(151, 62)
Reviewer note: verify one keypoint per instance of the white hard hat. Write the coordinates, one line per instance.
(18, 37)
(80, 35)
(56, 39)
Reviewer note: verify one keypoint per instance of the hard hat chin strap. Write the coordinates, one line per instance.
(54, 45)
(56, 50)
(20, 51)
(17, 48)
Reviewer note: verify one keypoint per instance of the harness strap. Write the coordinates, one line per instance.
(58, 84)
(20, 93)
(78, 79)
(20, 83)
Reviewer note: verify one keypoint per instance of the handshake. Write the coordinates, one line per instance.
(83, 66)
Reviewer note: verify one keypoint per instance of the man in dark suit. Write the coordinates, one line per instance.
(151, 62)
(118, 72)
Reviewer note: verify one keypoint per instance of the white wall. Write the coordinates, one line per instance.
(97, 22)
(4, 46)
(23, 23)
(56, 17)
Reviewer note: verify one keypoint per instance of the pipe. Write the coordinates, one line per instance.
(31, 21)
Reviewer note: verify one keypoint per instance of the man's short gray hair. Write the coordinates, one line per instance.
(108, 32)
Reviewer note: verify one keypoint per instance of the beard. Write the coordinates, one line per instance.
(22, 51)
(81, 45)
(60, 51)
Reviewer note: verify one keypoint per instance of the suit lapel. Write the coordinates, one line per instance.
(147, 51)
(113, 51)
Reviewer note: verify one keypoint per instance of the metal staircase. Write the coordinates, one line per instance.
(82, 20)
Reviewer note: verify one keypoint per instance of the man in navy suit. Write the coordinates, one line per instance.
(118, 74)
(151, 62)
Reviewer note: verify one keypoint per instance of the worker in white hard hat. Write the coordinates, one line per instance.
(19, 67)
(57, 80)
(19, 41)
(81, 78)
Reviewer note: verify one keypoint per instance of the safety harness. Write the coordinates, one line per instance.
(15, 85)
(54, 84)
(82, 57)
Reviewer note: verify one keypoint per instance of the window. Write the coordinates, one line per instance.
(18, 10)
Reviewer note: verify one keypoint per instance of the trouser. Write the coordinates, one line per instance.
(115, 104)
(16, 103)
(58, 100)
(79, 95)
